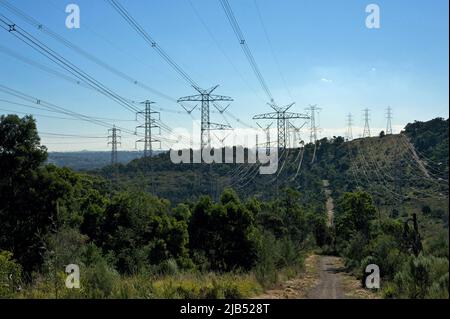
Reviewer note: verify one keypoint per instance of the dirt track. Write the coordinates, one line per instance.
(324, 278)
(330, 280)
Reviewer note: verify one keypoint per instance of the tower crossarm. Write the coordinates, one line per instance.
(281, 115)
(217, 126)
(268, 116)
(220, 98)
(190, 98)
(290, 115)
(200, 97)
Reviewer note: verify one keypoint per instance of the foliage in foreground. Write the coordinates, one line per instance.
(363, 239)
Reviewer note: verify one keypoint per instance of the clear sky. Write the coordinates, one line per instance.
(326, 55)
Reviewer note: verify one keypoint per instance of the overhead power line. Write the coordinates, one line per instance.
(40, 47)
(47, 106)
(40, 66)
(49, 70)
(140, 30)
(8, 25)
(61, 135)
(41, 27)
(248, 54)
(222, 50)
(61, 118)
(205, 98)
(272, 51)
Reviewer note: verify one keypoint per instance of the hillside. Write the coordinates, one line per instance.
(391, 168)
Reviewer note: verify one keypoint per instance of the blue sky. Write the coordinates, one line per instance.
(325, 52)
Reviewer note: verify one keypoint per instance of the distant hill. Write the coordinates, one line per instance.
(88, 160)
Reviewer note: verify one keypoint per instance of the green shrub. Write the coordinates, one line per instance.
(98, 280)
(10, 275)
(390, 291)
(225, 232)
(439, 288)
(438, 245)
(168, 267)
(354, 250)
(423, 277)
(268, 256)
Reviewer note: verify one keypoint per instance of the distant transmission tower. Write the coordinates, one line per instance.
(296, 134)
(366, 132)
(115, 140)
(349, 127)
(313, 109)
(206, 97)
(267, 132)
(149, 124)
(281, 115)
(389, 120)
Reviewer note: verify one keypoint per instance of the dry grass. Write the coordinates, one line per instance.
(296, 288)
(353, 289)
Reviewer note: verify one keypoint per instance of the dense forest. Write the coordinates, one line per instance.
(153, 229)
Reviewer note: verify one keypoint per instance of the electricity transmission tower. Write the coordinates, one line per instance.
(281, 115)
(267, 132)
(149, 124)
(115, 140)
(366, 132)
(349, 127)
(296, 131)
(206, 97)
(313, 109)
(389, 121)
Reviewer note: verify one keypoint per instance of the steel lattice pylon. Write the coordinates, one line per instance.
(149, 124)
(266, 130)
(281, 115)
(205, 97)
(366, 131)
(115, 140)
(389, 120)
(296, 130)
(349, 127)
